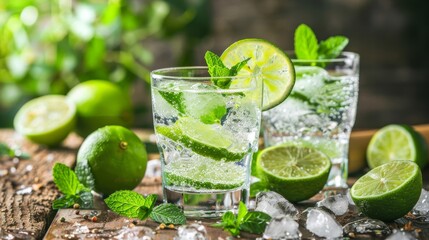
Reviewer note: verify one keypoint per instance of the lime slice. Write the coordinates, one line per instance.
(267, 61)
(203, 139)
(396, 142)
(296, 171)
(389, 191)
(46, 120)
(204, 174)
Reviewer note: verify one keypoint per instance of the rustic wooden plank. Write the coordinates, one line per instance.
(27, 189)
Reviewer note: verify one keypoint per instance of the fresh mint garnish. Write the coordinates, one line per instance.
(74, 192)
(133, 205)
(308, 48)
(217, 69)
(252, 222)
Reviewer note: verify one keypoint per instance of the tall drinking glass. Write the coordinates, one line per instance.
(320, 110)
(206, 136)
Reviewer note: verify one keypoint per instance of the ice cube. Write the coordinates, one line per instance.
(134, 233)
(193, 231)
(422, 206)
(275, 205)
(282, 227)
(338, 204)
(323, 224)
(365, 227)
(401, 235)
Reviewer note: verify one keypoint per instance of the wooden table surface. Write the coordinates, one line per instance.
(27, 192)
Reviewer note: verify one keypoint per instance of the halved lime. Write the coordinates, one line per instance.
(205, 139)
(389, 191)
(296, 171)
(396, 142)
(46, 120)
(266, 61)
(204, 174)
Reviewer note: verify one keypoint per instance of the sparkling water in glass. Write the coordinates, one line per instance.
(206, 136)
(320, 111)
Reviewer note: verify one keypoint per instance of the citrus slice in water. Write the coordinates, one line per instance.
(396, 142)
(205, 139)
(389, 191)
(266, 61)
(296, 171)
(46, 120)
(204, 173)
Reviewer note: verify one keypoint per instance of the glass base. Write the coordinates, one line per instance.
(338, 174)
(206, 205)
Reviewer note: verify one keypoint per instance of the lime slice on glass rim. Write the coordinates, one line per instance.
(297, 172)
(205, 174)
(203, 139)
(46, 120)
(389, 191)
(397, 142)
(266, 61)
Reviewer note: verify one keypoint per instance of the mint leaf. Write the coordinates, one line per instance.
(255, 222)
(66, 180)
(217, 69)
(237, 67)
(84, 174)
(85, 199)
(5, 150)
(213, 61)
(64, 201)
(242, 211)
(175, 99)
(129, 204)
(168, 213)
(332, 47)
(305, 41)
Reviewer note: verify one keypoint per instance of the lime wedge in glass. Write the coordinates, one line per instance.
(396, 142)
(46, 120)
(389, 191)
(267, 62)
(204, 173)
(296, 171)
(204, 139)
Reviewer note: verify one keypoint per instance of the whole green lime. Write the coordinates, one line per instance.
(100, 103)
(110, 159)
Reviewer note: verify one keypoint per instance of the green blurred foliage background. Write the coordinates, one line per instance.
(49, 46)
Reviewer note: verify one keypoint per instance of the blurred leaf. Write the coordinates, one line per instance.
(95, 53)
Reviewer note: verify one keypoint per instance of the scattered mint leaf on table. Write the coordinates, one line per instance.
(252, 222)
(168, 213)
(133, 205)
(74, 192)
(5, 150)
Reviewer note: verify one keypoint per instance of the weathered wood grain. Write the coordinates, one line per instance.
(27, 189)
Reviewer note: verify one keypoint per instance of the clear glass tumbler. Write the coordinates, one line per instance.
(206, 136)
(321, 110)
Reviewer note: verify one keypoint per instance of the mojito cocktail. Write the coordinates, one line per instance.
(320, 111)
(206, 136)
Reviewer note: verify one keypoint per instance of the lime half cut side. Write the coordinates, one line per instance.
(46, 120)
(297, 172)
(203, 173)
(396, 142)
(267, 62)
(207, 140)
(389, 191)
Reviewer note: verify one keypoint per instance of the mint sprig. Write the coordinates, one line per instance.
(252, 222)
(133, 205)
(74, 192)
(308, 48)
(217, 69)
(6, 151)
